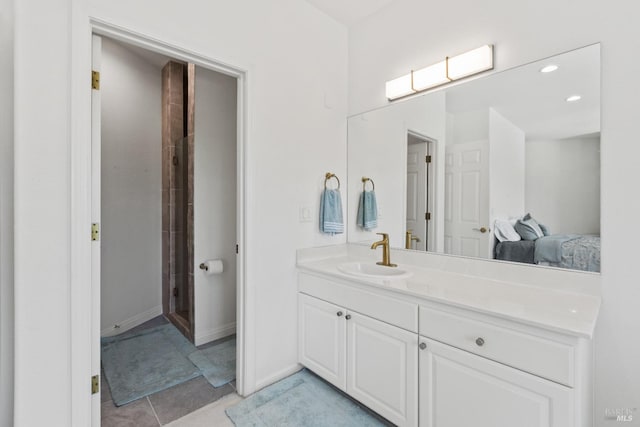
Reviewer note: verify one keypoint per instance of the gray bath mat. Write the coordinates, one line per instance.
(217, 363)
(300, 400)
(142, 363)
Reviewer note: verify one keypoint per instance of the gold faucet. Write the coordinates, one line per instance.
(386, 259)
(409, 238)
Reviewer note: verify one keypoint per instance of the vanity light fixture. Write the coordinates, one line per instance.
(549, 68)
(452, 68)
(574, 98)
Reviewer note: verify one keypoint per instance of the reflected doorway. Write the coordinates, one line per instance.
(419, 231)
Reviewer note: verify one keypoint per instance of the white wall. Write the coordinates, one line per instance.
(378, 150)
(215, 203)
(297, 87)
(468, 126)
(506, 169)
(563, 184)
(391, 42)
(131, 270)
(6, 213)
(42, 213)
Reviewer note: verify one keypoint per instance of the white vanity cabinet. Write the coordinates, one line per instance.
(485, 371)
(373, 361)
(382, 368)
(322, 339)
(422, 362)
(458, 388)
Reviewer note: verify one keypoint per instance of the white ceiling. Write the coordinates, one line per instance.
(534, 101)
(349, 12)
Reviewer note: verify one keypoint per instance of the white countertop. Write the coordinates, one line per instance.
(561, 311)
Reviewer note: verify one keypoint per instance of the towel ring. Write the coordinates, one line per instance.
(328, 176)
(364, 183)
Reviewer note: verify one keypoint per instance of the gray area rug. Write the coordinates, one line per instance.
(217, 363)
(141, 363)
(300, 400)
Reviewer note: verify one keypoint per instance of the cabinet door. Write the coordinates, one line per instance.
(458, 388)
(322, 339)
(382, 368)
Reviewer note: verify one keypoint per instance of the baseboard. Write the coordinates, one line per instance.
(131, 322)
(284, 373)
(215, 334)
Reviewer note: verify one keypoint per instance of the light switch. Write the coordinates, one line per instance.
(305, 214)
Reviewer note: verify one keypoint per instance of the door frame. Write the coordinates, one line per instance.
(85, 300)
(432, 199)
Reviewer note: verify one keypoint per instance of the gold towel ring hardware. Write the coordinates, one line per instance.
(328, 176)
(364, 183)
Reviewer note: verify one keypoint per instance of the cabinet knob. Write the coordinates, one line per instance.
(479, 342)
(339, 313)
(422, 345)
(348, 316)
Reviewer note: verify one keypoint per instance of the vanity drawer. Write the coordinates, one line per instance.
(531, 353)
(399, 313)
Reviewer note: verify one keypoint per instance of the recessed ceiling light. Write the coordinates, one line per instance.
(574, 98)
(548, 68)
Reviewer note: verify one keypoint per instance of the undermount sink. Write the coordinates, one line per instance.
(372, 270)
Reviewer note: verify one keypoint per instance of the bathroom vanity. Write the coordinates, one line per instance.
(440, 342)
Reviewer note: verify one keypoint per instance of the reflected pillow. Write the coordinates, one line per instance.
(528, 228)
(505, 232)
(545, 230)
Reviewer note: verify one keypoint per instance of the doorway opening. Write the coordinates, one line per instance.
(420, 233)
(166, 196)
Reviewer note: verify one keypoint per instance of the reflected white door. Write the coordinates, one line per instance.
(467, 199)
(417, 193)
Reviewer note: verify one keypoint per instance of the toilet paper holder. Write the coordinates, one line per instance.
(212, 266)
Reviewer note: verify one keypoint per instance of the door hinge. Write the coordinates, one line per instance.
(236, 248)
(95, 80)
(95, 384)
(175, 292)
(428, 159)
(427, 216)
(95, 231)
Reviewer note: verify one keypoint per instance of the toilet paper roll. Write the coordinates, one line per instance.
(212, 266)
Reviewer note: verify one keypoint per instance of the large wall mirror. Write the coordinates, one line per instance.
(503, 167)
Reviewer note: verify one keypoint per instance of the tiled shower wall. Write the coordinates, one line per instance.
(177, 194)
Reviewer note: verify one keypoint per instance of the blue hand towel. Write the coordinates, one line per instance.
(368, 210)
(331, 212)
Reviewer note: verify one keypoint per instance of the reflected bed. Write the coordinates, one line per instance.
(575, 252)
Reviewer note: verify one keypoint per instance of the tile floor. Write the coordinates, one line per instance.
(194, 403)
(210, 415)
(214, 413)
(166, 406)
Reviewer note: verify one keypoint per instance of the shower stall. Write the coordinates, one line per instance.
(177, 195)
(181, 243)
